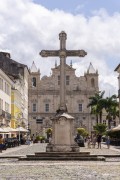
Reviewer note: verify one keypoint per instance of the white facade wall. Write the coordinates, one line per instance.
(5, 97)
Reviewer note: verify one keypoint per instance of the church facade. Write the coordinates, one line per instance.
(44, 97)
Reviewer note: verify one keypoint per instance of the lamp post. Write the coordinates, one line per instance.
(19, 132)
(118, 70)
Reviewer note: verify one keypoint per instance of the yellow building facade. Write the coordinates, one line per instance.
(16, 112)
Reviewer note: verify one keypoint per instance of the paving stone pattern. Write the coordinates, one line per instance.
(12, 169)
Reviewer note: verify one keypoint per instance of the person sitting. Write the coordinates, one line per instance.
(2, 144)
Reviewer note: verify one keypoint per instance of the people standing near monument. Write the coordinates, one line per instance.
(89, 142)
(99, 138)
(94, 139)
(108, 142)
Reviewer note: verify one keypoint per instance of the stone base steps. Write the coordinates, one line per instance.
(61, 154)
(66, 156)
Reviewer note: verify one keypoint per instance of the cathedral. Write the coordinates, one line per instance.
(44, 97)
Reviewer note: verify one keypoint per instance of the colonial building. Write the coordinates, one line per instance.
(18, 73)
(5, 99)
(44, 97)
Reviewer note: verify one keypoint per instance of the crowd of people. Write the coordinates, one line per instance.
(95, 140)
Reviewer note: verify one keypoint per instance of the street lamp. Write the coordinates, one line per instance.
(19, 132)
(118, 70)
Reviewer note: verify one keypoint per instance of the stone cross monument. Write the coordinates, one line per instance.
(62, 139)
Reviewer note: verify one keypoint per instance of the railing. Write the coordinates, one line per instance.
(2, 113)
(7, 116)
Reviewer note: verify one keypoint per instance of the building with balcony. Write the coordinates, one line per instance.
(6, 85)
(18, 73)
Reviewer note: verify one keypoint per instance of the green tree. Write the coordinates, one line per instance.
(111, 107)
(82, 132)
(100, 128)
(49, 132)
(97, 105)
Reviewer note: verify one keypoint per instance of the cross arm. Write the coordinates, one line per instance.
(47, 53)
(80, 53)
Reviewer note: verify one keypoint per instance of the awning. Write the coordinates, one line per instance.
(117, 128)
(9, 129)
(21, 129)
(2, 130)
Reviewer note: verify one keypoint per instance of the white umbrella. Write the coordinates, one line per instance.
(2, 130)
(21, 129)
(117, 128)
(9, 129)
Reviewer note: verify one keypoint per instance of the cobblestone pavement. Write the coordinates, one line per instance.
(12, 169)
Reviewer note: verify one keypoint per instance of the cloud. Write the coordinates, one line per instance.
(79, 7)
(26, 28)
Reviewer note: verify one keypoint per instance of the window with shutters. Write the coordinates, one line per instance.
(34, 107)
(67, 80)
(46, 107)
(80, 107)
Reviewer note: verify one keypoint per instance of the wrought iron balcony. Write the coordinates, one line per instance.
(7, 116)
(2, 113)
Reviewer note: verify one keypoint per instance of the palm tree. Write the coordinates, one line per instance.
(97, 105)
(111, 107)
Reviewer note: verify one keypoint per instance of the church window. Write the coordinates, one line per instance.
(92, 82)
(34, 118)
(80, 107)
(67, 80)
(104, 122)
(46, 107)
(34, 82)
(34, 107)
(58, 80)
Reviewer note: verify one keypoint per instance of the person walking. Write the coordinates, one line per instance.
(88, 142)
(108, 142)
(99, 138)
(94, 141)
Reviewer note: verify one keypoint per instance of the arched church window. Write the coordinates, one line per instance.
(92, 82)
(34, 82)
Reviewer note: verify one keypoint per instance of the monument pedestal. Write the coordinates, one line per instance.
(63, 135)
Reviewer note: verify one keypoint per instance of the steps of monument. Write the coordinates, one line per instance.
(60, 155)
(67, 154)
(87, 158)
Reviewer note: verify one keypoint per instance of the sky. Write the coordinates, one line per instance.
(29, 26)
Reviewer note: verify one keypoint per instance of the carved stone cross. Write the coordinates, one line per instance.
(62, 53)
